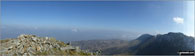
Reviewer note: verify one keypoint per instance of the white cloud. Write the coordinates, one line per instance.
(178, 20)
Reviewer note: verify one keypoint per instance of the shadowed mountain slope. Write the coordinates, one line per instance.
(146, 44)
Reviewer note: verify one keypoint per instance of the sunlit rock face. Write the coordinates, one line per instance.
(33, 45)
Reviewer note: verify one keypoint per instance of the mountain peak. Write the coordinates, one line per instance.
(145, 37)
(175, 33)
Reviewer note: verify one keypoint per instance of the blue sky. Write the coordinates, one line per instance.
(142, 16)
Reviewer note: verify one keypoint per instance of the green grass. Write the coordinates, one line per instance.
(4, 41)
(62, 44)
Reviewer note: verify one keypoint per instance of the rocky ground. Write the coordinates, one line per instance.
(33, 45)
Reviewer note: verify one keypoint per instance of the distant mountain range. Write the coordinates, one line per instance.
(146, 44)
(65, 34)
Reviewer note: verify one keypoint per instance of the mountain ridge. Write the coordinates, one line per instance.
(160, 44)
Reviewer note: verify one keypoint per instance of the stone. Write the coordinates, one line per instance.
(25, 54)
(34, 39)
(29, 45)
(38, 48)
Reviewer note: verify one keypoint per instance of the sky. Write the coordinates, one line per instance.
(154, 17)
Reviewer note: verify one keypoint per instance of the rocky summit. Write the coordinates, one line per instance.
(32, 45)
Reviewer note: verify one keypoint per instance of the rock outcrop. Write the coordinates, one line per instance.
(33, 45)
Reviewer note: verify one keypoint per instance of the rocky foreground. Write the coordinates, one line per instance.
(33, 45)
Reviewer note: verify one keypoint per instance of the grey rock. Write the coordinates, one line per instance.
(29, 45)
